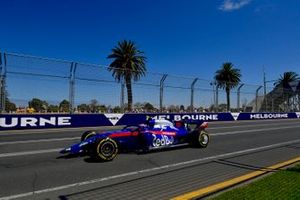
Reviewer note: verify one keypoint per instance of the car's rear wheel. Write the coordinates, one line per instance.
(87, 135)
(200, 139)
(105, 149)
(203, 139)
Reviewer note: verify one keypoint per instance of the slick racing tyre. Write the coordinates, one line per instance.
(203, 139)
(105, 149)
(87, 135)
(200, 138)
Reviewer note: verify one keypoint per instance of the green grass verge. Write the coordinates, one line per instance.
(284, 184)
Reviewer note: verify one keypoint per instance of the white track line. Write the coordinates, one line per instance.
(39, 140)
(164, 167)
(26, 153)
(253, 121)
(55, 130)
(254, 125)
(253, 130)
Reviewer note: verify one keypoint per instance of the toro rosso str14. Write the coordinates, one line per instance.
(155, 134)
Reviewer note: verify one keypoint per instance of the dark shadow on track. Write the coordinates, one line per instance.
(293, 147)
(93, 160)
(263, 150)
(70, 156)
(63, 198)
(143, 152)
(245, 166)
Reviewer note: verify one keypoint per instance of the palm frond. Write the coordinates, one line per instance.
(286, 78)
(127, 61)
(228, 76)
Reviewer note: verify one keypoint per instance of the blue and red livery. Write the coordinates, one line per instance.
(155, 134)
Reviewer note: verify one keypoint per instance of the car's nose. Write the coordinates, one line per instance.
(66, 150)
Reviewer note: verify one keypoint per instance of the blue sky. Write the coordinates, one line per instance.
(191, 38)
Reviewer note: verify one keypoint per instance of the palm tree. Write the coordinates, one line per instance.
(128, 64)
(284, 83)
(227, 78)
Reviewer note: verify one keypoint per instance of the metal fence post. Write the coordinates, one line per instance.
(192, 94)
(239, 95)
(215, 94)
(272, 103)
(217, 98)
(1, 67)
(298, 99)
(2, 82)
(122, 96)
(256, 98)
(161, 95)
(265, 93)
(72, 87)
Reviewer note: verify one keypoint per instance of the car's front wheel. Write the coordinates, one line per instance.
(105, 149)
(87, 135)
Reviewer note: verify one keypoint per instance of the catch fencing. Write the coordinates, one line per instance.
(91, 88)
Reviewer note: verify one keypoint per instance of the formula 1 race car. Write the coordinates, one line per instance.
(154, 134)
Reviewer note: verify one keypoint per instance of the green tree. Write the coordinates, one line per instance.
(38, 105)
(117, 109)
(53, 108)
(83, 108)
(148, 107)
(101, 108)
(10, 106)
(212, 108)
(284, 84)
(128, 64)
(181, 108)
(93, 106)
(64, 106)
(201, 109)
(173, 108)
(285, 79)
(228, 78)
(222, 107)
(138, 105)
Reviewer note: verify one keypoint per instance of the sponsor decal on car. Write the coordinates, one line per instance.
(163, 132)
(162, 140)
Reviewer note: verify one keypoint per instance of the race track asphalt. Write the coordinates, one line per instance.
(31, 167)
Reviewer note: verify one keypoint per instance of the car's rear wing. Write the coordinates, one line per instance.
(191, 124)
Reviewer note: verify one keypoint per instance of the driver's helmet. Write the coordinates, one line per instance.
(143, 126)
(151, 123)
(185, 122)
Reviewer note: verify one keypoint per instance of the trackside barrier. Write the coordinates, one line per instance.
(40, 121)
